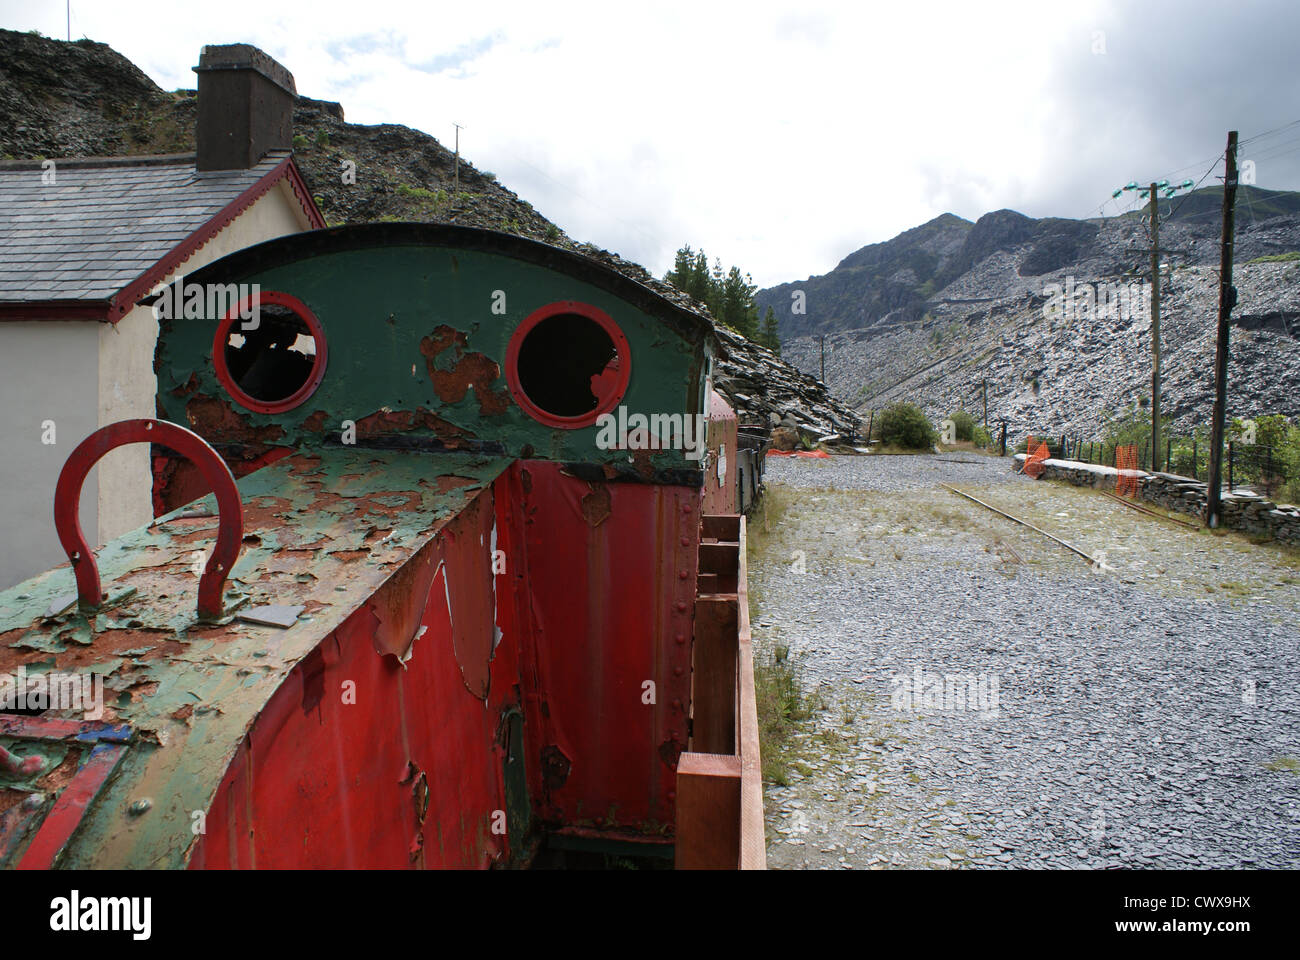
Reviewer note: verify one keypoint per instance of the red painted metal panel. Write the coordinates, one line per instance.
(65, 816)
(611, 578)
(410, 773)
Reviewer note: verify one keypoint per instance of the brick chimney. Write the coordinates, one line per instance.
(246, 104)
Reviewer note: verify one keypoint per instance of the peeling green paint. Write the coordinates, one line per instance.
(190, 690)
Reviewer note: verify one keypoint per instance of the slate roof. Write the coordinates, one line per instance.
(105, 222)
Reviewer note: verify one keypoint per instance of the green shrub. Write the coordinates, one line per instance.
(963, 423)
(322, 138)
(982, 437)
(904, 425)
(300, 142)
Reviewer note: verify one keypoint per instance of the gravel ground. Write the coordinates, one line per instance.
(1141, 713)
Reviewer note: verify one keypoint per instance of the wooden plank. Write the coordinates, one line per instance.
(708, 812)
(714, 674)
(720, 526)
(753, 843)
(719, 557)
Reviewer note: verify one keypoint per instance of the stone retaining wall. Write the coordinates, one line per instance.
(1241, 510)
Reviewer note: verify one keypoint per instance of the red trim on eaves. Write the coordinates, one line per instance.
(304, 196)
(129, 295)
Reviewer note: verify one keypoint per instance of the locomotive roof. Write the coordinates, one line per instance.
(611, 274)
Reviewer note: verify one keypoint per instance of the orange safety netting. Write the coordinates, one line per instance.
(806, 454)
(1126, 462)
(1034, 462)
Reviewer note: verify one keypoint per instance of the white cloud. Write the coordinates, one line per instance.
(778, 136)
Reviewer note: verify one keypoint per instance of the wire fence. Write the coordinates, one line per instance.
(1257, 466)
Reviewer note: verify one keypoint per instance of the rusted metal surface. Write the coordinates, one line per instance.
(384, 754)
(65, 816)
(721, 483)
(611, 599)
(325, 530)
(418, 351)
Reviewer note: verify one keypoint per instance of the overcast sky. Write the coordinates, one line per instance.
(778, 136)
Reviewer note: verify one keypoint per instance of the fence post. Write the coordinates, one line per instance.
(1195, 465)
(1230, 483)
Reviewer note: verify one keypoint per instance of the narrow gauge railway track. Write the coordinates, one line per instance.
(1024, 523)
(1150, 513)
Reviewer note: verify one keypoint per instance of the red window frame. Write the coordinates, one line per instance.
(612, 399)
(299, 396)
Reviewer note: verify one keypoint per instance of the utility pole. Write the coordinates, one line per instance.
(455, 187)
(1227, 300)
(1151, 192)
(985, 387)
(822, 338)
(1155, 329)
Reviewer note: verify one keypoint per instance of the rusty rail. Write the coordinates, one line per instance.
(1150, 513)
(1024, 523)
(719, 779)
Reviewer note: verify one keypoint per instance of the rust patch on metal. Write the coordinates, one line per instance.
(670, 751)
(420, 796)
(349, 555)
(398, 610)
(555, 767)
(382, 422)
(474, 370)
(186, 388)
(213, 417)
(596, 505)
(183, 712)
(313, 680)
(642, 464)
(316, 422)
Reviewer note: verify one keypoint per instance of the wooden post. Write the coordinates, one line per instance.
(708, 812)
(1227, 300)
(1155, 329)
(714, 678)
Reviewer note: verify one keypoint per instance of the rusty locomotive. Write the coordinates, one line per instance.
(398, 607)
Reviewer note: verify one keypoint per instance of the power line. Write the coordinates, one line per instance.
(1268, 133)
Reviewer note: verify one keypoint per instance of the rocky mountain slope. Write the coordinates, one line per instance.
(899, 280)
(85, 99)
(1057, 374)
(943, 312)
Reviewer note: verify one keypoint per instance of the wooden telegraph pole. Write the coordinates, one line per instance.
(1155, 330)
(455, 187)
(1227, 300)
(822, 338)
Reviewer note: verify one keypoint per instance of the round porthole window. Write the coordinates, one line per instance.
(567, 364)
(272, 358)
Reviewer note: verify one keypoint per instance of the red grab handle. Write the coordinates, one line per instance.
(230, 509)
